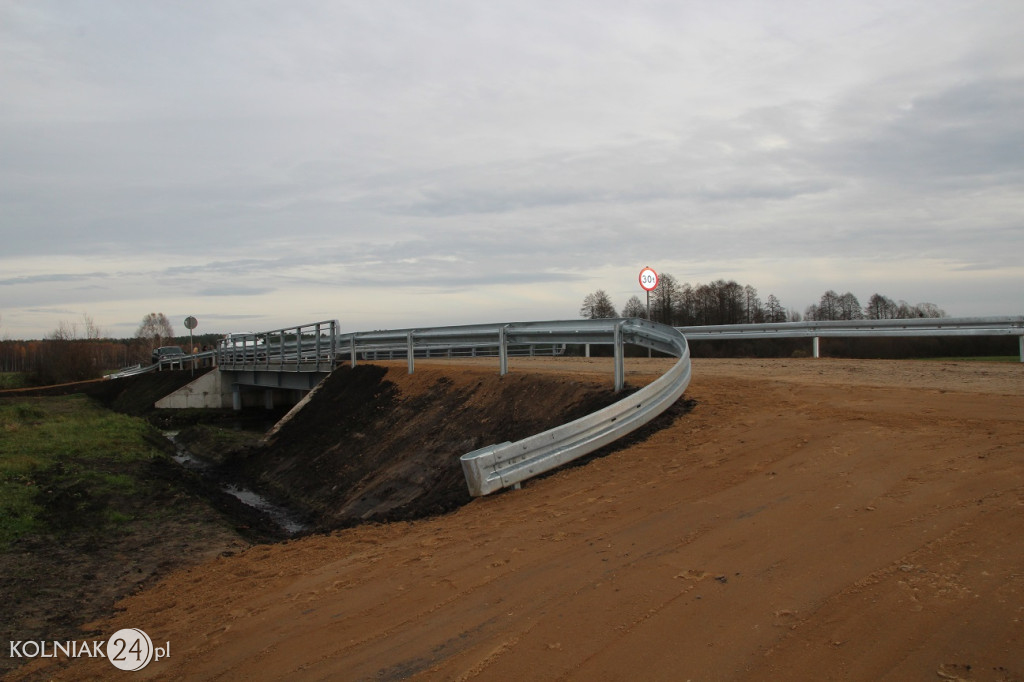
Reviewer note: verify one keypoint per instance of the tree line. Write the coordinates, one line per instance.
(77, 351)
(729, 302)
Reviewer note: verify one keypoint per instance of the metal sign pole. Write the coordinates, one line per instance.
(649, 354)
(648, 281)
(191, 323)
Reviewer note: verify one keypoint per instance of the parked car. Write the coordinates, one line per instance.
(167, 354)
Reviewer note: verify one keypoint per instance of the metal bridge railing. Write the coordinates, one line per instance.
(304, 348)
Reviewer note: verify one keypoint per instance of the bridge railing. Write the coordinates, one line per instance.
(303, 348)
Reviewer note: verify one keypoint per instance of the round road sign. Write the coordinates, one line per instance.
(648, 279)
(191, 322)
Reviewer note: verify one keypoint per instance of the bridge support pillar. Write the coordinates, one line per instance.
(236, 397)
(268, 399)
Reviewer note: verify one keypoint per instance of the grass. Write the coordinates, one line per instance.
(10, 380)
(68, 464)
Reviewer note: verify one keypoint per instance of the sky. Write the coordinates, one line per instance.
(395, 164)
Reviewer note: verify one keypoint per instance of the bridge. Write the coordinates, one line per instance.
(287, 363)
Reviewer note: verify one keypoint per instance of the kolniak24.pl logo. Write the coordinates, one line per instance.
(127, 649)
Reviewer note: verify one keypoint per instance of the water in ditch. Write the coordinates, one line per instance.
(284, 518)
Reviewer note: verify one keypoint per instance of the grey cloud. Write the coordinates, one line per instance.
(52, 278)
(245, 148)
(234, 291)
(965, 134)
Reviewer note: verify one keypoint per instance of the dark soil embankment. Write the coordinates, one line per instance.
(377, 444)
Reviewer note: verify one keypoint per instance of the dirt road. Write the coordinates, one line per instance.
(808, 519)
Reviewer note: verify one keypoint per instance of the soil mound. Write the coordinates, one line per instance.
(378, 444)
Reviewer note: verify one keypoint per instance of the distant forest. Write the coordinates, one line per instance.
(76, 351)
(729, 302)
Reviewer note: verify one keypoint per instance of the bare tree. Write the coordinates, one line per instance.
(597, 305)
(635, 308)
(849, 307)
(929, 310)
(752, 305)
(155, 329)
(68, 357)
(827, 307)
(774, 312)
(663, 299)
(881, 307)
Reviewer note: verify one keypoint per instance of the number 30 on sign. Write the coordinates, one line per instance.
(648, 279)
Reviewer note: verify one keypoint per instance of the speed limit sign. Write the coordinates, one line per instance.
(648, 279)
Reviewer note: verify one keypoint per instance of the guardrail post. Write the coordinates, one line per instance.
(352, 349)
(816, 346)
(410, 352)
(1022, 347)
(620, 370)
(334, 342)
(317, 346)
(502, 351)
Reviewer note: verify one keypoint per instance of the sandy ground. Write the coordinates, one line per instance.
(808, 519)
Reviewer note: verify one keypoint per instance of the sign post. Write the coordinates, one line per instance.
(191, 323)
(648, 282)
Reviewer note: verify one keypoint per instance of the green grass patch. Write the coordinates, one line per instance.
(9, 380)
(67, 464)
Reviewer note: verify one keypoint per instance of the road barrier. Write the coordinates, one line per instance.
(815, 330)
(507, 464)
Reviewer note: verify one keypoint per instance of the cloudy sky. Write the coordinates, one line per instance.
(411, 163)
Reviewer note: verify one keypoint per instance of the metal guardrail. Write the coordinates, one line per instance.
(305, 348)
(940, 326)
(130, 371)
(507, 464)
(504, 337)
(195, 360)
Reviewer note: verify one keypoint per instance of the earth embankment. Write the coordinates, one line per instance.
(812, 519)
(377, 444)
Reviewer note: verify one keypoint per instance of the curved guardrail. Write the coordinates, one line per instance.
(507, 464)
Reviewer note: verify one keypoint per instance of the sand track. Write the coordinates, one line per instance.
(811, 519)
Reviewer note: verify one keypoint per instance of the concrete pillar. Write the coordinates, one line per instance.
(236, 397)
(268, 398)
